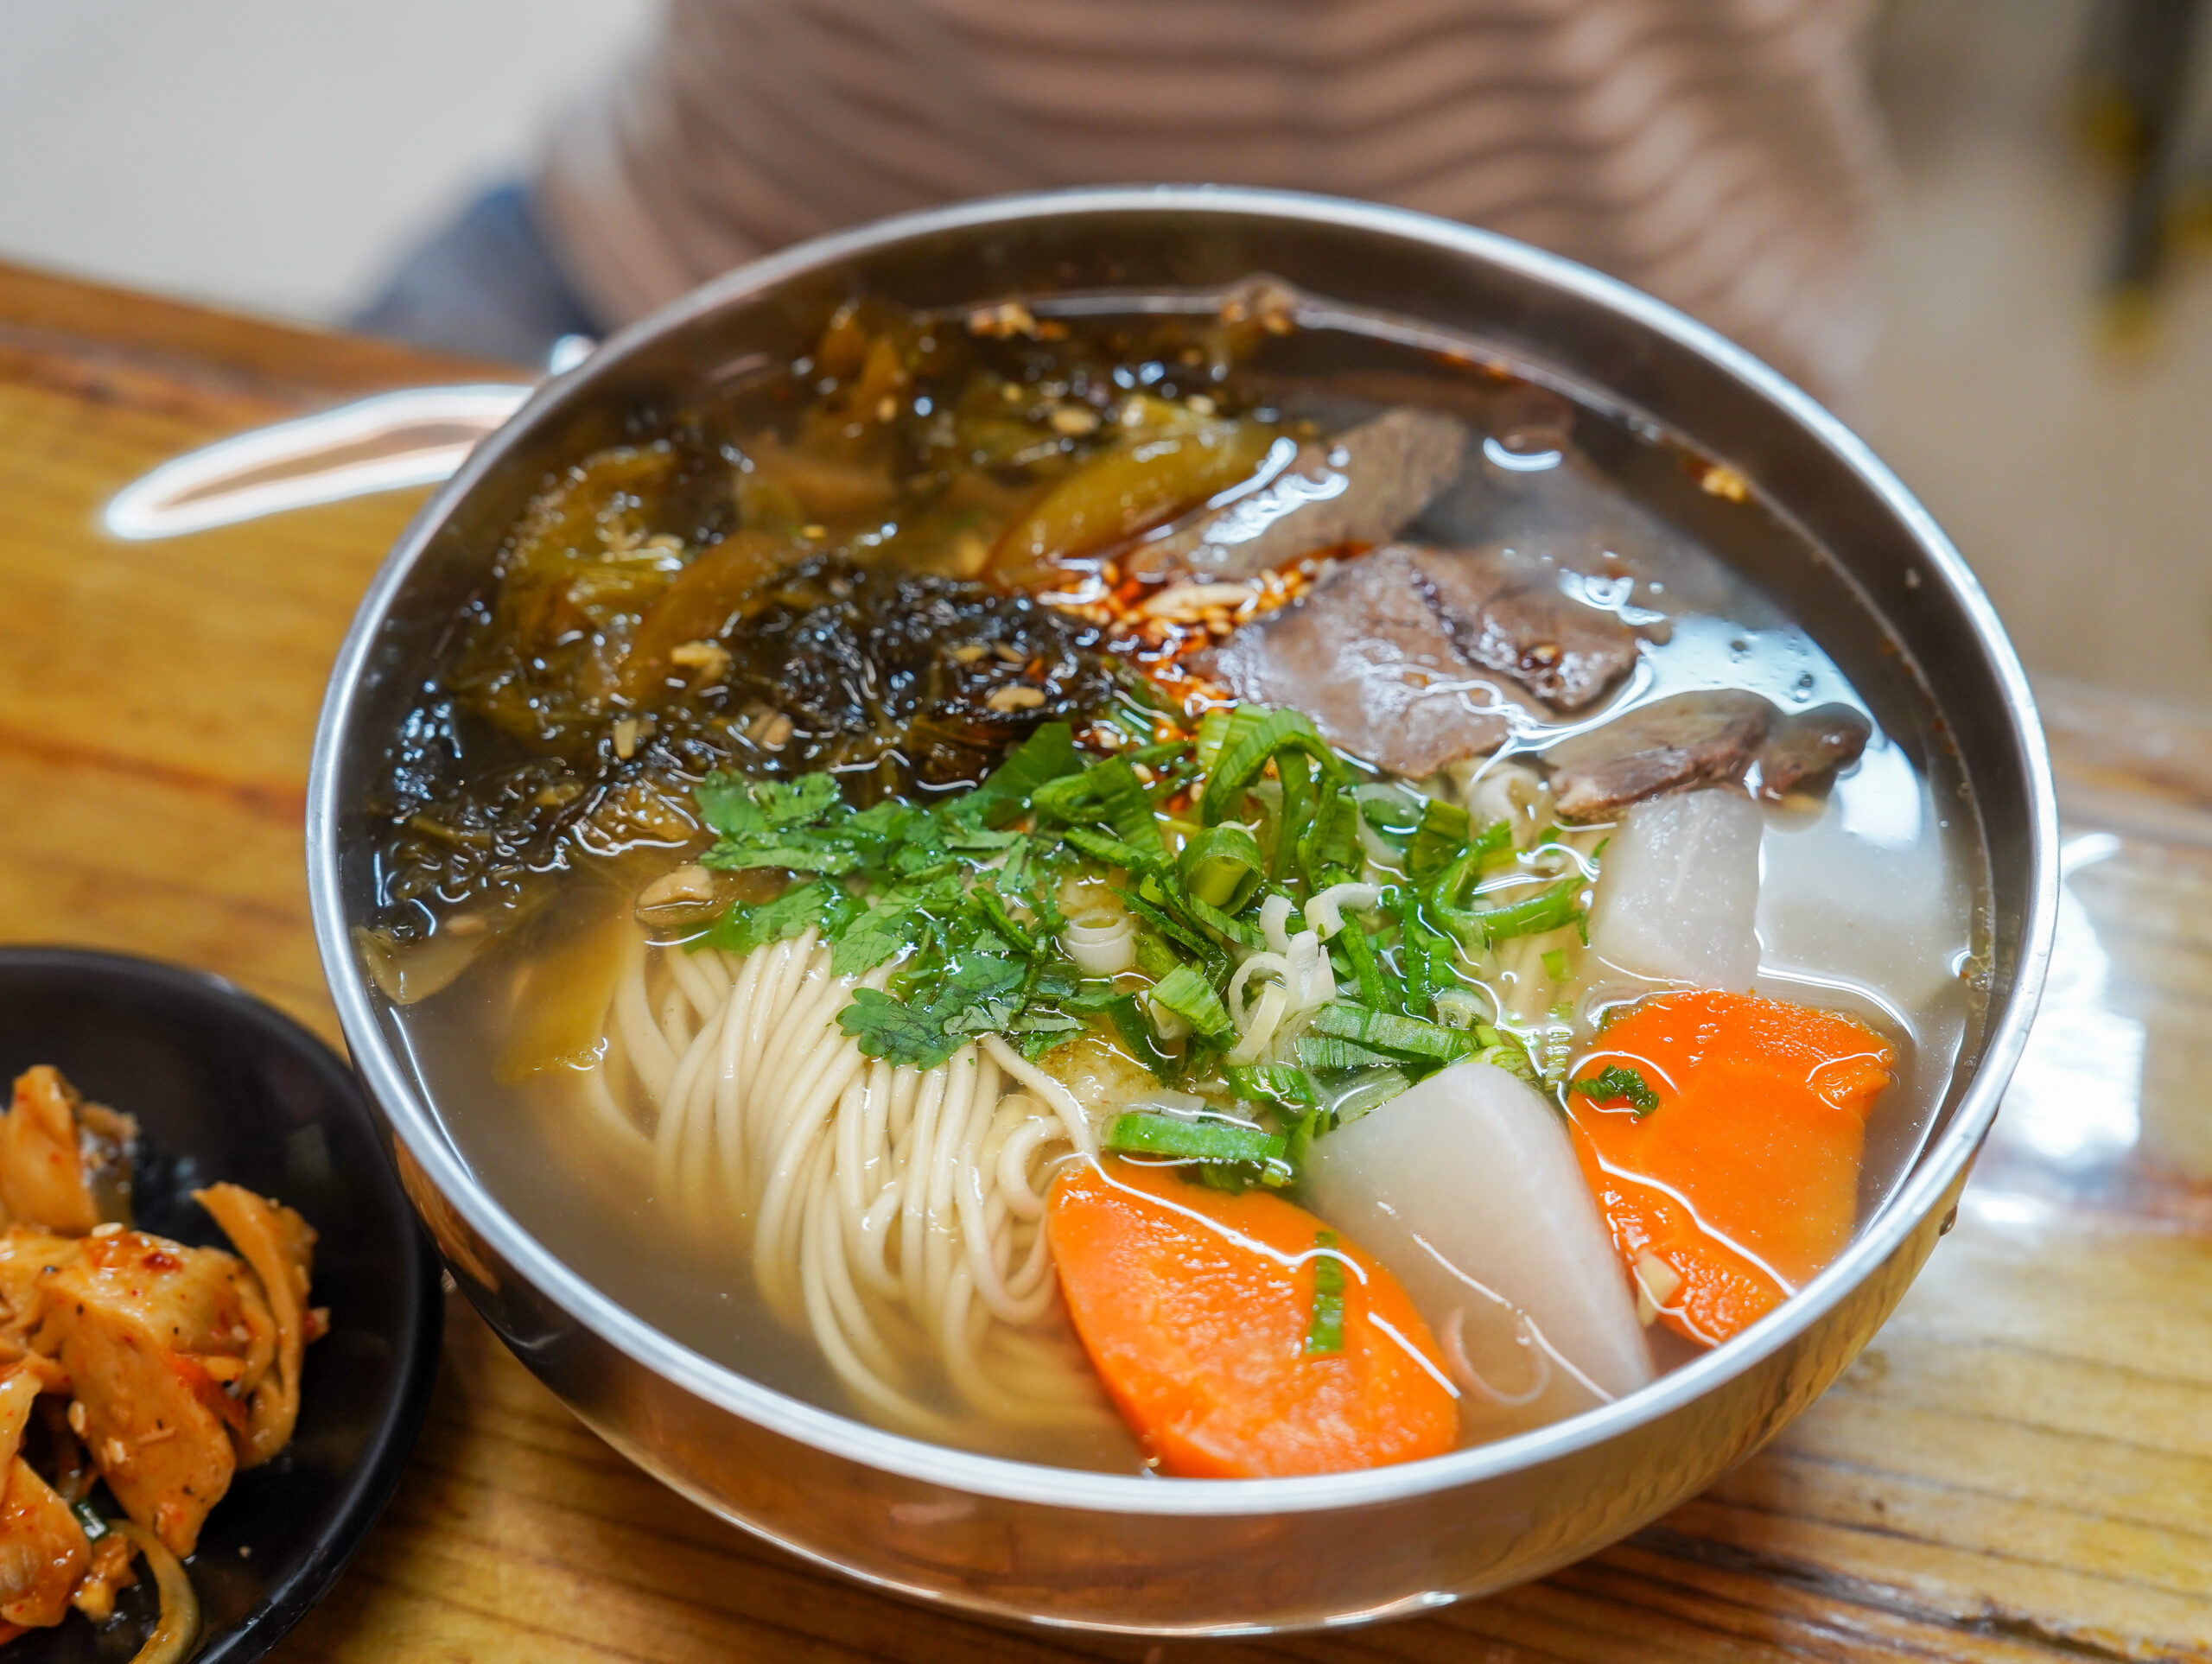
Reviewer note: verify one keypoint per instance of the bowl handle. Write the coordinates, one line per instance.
(416, 436)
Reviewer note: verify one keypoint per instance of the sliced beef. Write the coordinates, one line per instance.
(1365, 655)
(1670, 745)
(1808, 744)
(1362, 486)
(1507, 613)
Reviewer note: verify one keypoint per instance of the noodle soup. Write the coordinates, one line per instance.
(1171, 889)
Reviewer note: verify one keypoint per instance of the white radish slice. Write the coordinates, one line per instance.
(1466, 1187)
(1678, 891)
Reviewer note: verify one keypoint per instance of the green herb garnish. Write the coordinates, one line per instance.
(1383, 1031)
(1140, 1132)
(1325, 1051)
(1279, 1084)
(1187, 992)
(1326, 1333)
(951, 908)
(1617, 1083)
(1437, 841)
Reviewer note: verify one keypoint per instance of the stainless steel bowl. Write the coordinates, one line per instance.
(1893, 604)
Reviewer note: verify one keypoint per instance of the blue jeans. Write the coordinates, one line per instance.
(486, 285)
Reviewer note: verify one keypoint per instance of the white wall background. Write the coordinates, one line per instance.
(271, 154)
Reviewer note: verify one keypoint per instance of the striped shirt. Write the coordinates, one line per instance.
(1718, 153)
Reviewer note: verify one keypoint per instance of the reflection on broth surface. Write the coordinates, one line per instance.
(1185, 887)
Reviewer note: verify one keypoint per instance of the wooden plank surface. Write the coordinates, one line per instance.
(2020, 1467)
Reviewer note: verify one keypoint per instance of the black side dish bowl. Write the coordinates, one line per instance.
(227, 1088)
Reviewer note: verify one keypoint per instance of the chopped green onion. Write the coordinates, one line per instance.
(1226, 925)
(1183, 935)
(1221, 867)
(1617, 1083)
(1512, 1056)
(1218, 726)
(1325, 1051)
(1246, 753)
(1291, 826)
(1129, 1022)
(1270, 1084)
(1159, 753)
(1547, 909)
(1493, 841)
(1365, 1092)
(1108, 794)
(1459, 1008)
(1325, 1334)
(1407, 1037)
(1424, 954)
(1187, 992)
(1154, 957)
(1440, 837)
(1310, 1126)
(1377, 812)
(1114, 852)
(1330, 846)
(1555, 964)
(1046, 755)
(1359, 948)
(1140, 1132)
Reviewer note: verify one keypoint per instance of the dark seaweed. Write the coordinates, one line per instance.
(883, 676)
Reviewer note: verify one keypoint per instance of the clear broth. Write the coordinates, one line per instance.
(1898, 954)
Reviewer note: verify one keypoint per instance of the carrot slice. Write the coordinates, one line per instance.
(1199, 1311)
(1741, 1179)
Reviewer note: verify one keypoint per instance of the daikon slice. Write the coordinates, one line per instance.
(1466, 1187)
(1678, 891)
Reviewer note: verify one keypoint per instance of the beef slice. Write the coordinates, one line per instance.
(1362, 486)
(1670, 745)
(1805, 744)
(1507, 613)
(1367, 658)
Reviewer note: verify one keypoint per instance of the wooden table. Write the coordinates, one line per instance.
(2019, 1468)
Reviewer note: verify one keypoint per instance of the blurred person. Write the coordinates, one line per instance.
(1721, 154)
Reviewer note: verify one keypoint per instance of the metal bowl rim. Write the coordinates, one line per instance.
(417, 1128)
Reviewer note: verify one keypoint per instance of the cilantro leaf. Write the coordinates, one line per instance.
(739, 808)
(981, 994)
(879, 936)
(895, 1032)
(818, 854)
(817, 903)
(797, 802)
